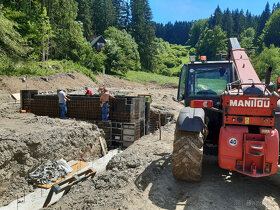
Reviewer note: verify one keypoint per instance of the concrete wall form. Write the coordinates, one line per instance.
(128, 114)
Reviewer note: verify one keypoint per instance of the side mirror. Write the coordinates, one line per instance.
(278, 85)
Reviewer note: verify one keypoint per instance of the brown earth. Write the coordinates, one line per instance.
(140, 177)
(28, 141)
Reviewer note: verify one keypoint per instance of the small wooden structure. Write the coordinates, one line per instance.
(97, 43)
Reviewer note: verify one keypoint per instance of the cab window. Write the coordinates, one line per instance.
(182, 84)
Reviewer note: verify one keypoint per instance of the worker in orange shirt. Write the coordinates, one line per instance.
(105, 104)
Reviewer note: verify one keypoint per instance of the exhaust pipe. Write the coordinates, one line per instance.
(268, 76)
(268, 86)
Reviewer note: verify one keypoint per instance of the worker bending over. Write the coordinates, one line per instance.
(105, 104)
(88, 91)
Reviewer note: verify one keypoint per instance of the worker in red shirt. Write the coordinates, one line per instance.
(89, 92)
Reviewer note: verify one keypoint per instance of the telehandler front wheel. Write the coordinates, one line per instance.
(187, 155)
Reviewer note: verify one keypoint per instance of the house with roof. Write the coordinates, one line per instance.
(97, 42)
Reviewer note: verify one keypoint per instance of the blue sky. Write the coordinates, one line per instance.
(187, 10)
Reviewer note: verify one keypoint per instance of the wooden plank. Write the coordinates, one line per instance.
(102, 146)
(72, 162)
(76, 167)
(16, 96)
(57, 188)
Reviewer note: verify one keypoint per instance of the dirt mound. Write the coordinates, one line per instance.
(31, 140)
(141, 178)
(170, 85)
(45, 84)
(120, 184)
(111, 82)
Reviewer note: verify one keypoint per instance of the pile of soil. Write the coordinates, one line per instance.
(128, 175)
(32, 140)
(141, 178)
(45, 84)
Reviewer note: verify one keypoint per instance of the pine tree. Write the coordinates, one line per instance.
(160, 31)
(84, 15)
(143, 32)
(227, 23)
(68, 42)
(126, 18)
(217, 18)
(47, 33)
(263, 18)
(169, 32)
(275, 6)
(122, 13)
(104, 15)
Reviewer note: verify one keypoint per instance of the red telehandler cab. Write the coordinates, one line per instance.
(229, 112)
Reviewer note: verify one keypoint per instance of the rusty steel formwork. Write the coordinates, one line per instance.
(45, 105)
(128, 119)
(26, 97)
(122, 134)
(122, 109)
(157, 119)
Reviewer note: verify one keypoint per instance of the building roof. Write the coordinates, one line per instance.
(93, 42)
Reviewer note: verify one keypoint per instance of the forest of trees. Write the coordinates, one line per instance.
(59, 30)
(232, 22)
(258, 34)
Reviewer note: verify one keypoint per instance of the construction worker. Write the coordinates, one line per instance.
(62, 98)
(88, 91)
(105, 104)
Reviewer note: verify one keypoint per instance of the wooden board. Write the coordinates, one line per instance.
(102, 146)
(76, 167)
(16, 96)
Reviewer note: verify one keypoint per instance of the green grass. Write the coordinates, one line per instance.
(143, 77)
(35, 68)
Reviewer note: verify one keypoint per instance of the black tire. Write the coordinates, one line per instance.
(187, 155)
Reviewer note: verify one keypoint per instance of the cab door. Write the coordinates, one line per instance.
(182, 84)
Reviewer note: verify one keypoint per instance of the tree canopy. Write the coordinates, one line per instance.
(36, 30)
(121, 51)
(11, 42)
(212, 41)
(271, 32)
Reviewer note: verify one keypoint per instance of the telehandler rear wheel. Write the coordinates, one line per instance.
(187, 155)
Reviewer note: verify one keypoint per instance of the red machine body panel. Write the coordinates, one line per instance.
(237, 120)
(255, 155)
(249, 105)
(248, 142)
(231, 146)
